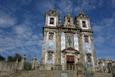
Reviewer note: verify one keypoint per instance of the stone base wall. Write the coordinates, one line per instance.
(103, 75)
(52, 73)
(43, 73)
(10, 66)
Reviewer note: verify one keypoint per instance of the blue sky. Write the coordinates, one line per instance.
(21, 23)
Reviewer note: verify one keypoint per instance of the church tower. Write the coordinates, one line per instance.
(49, 42)
(88, 55)
(69, 43)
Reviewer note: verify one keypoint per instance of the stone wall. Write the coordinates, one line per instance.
(10, 66)
(102, 75)
(53, 73)
(113, 68)
(44, 73)
(7, 66)
(11, 69)
(104, 66)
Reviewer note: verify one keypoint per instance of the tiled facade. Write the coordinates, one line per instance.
(68, 43)
(67, 51)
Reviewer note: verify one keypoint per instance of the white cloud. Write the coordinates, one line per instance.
(46, 6)
(25, 2)
(88, 5)
(6, 20)
(97, 28)
(19, 29)
(23, 30)
(65, 6)
(99, 40)
(113, 3)
(24, 41)
(104, 30)
(113, 41)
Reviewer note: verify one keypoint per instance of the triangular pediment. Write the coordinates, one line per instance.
(70, 50)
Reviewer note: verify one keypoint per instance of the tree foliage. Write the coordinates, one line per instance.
(15, 58)
(2, 58)
(27, 66)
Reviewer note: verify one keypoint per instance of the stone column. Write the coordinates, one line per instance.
(34, 63)
(80, 66)
(81, 48)
(44, 48)
(58, 48)
(93, 53)
(21, 64)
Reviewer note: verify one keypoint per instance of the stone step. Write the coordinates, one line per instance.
(103, 75)
(51, 73)
(44, 73)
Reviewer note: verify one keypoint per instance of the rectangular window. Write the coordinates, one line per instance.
(89, 58)
(50, 55)
(84, 24)
(51, 20)
(86, 38)
(51, 34)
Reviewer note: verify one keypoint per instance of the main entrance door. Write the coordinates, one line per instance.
(70, 62)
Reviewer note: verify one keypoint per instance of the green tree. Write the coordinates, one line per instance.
(14, 58)
(17, 57)
(10, 59)
(2, 58)
(27, 66)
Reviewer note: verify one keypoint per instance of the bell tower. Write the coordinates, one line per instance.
(87, 45)
(51, 18)
(49, 42)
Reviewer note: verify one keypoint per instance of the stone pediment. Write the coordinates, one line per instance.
(70, 50)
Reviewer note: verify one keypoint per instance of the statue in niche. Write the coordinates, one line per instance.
(69, 41)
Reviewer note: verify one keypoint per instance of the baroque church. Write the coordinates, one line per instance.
(68, 43)
(67, 51)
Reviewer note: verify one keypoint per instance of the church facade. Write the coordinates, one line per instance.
(68, 51)
(68, 43)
